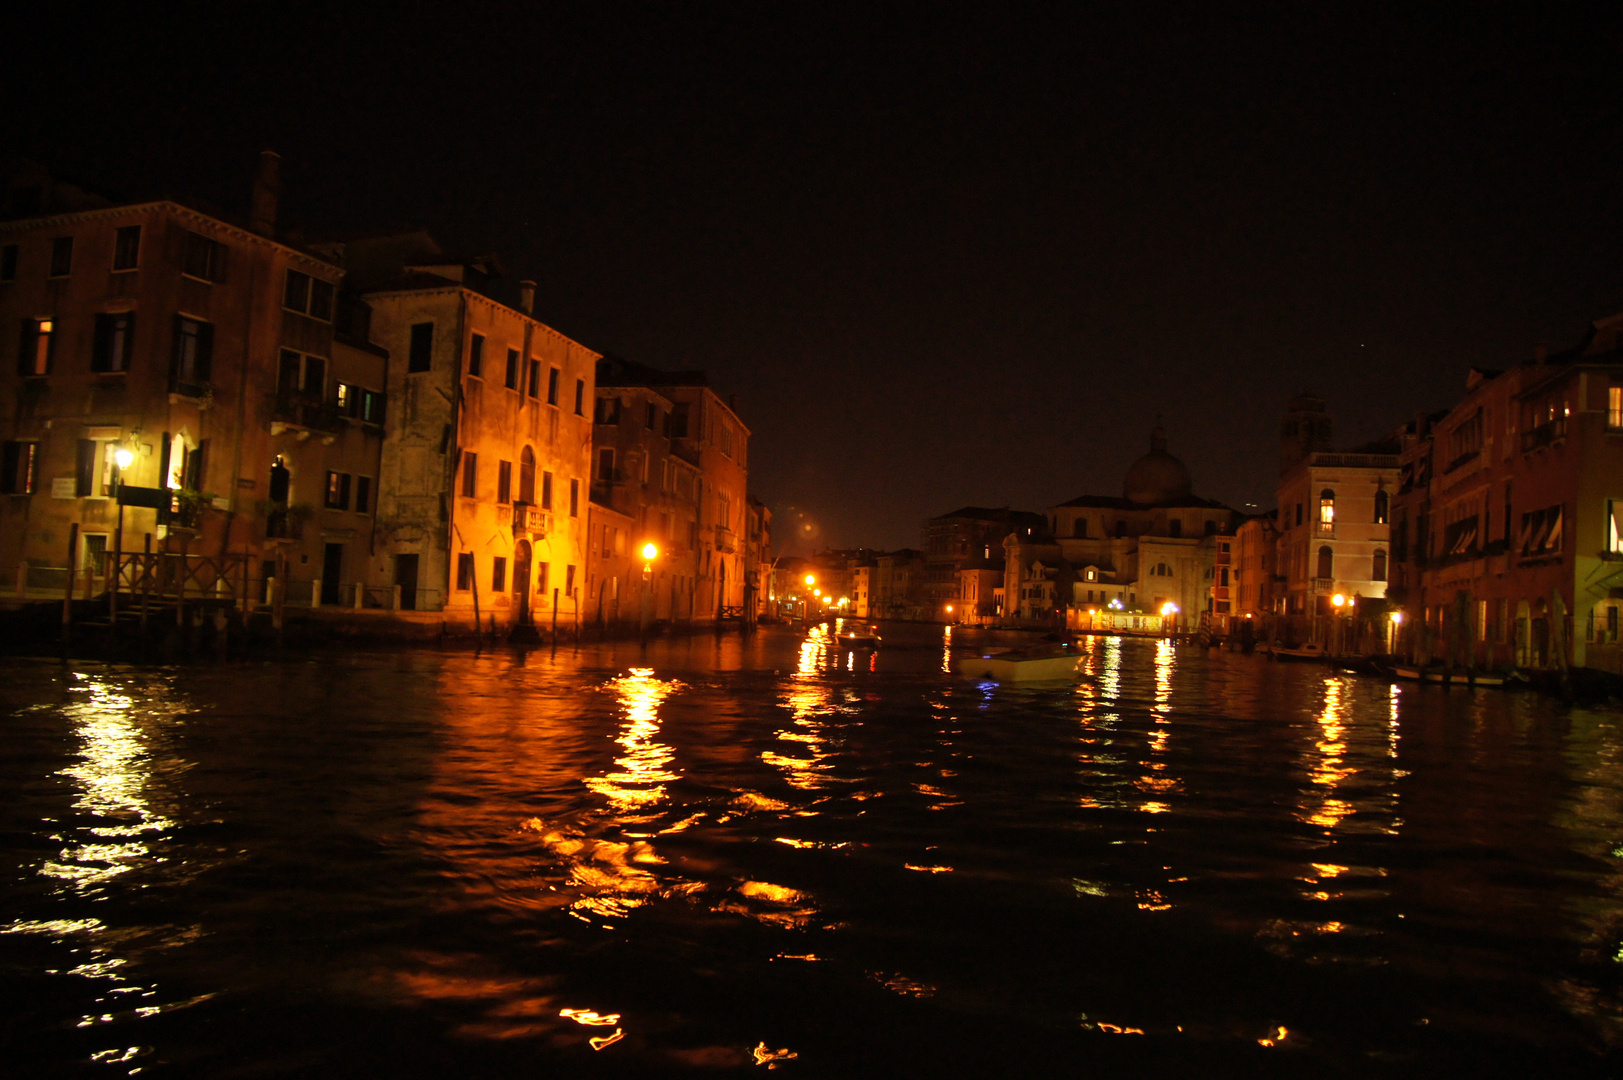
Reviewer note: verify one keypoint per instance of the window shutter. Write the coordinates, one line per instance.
(163, 461)
(25, 347)
(101, 350)
(343, 491)
(205, 350)
(85, 477)
(9, 481)
(124, 362)
(194, 467)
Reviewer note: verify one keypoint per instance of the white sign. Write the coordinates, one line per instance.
(65, 487)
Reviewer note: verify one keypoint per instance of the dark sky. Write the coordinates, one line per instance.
(941, 259)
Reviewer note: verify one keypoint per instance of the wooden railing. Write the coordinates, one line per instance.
(171, 575)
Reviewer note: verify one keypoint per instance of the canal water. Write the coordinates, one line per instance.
(724, 855)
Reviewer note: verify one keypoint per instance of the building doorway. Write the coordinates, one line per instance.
(405, 579)
(332, 571)
(521, 580)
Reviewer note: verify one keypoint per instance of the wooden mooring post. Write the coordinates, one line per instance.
(67, 593)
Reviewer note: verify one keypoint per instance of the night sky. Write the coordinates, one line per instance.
(941, 259)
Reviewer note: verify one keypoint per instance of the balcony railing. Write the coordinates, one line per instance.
(312, 413)
(1324, 528)
(1323, 586)
(530, 520)
(726, 540)
(1545, 434)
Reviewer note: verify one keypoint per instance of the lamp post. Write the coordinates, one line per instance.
(650, 552)
(123, 457)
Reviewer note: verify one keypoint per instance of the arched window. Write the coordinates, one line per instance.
(1383, 504)
(1163, 570)
(1327, 511)
(526, 476)
(1379, 571)
(1326, 562)
(1079, 528)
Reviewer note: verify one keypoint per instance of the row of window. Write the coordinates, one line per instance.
(467, 568)
(96, 472)
(338, 490)
(1327, 564)
(1327, 510)
(521, 376)
(199, 256)
(504, 483)
(672, 424)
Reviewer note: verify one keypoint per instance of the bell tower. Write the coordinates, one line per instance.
(1305, 428)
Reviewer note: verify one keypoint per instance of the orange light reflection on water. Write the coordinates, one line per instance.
(641, 781)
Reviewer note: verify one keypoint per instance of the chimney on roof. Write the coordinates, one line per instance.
(526, 297)
(732, 402)
(267, 189)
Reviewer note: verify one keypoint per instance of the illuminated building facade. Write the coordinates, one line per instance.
(1257, 585)
(207, 353)
(1335, 511)
(966, 537)
(1509, 529)
(642, 491)
(1142, 551)
(705, 442)
(483, 484)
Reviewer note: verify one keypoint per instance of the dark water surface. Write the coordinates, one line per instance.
(715, 855)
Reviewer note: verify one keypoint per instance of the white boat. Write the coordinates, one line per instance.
(859, 637)
(1047, 662)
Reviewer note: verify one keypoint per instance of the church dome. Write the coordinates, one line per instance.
(1157, 477)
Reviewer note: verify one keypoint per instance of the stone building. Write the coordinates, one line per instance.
(483, 483)
(206, 352)
(1139, 552)
(1509, 523)
(968, 536)
(697, 440)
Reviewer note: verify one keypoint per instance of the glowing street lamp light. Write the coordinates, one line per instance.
(124, 456)
(650, 552)
(1338, 600)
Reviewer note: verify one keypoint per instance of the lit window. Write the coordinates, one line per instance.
(38, 347)
(1614, 407)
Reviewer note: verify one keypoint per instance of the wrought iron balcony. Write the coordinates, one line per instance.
(530, 520)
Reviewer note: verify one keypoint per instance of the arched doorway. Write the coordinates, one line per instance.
(521, 580)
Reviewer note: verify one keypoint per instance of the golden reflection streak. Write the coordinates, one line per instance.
(1329, 769)
(946, 649)
(1392, 726)
(807, 700)
(643, 776)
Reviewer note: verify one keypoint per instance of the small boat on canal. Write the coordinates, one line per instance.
(1310, 651)
(1039, 663)
(1452, 678)
(859, 636)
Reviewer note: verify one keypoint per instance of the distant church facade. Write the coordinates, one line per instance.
(1157, 544)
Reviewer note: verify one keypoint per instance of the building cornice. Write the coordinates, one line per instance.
(468, 295)
(178, 210)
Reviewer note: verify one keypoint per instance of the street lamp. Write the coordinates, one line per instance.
(650, 552)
